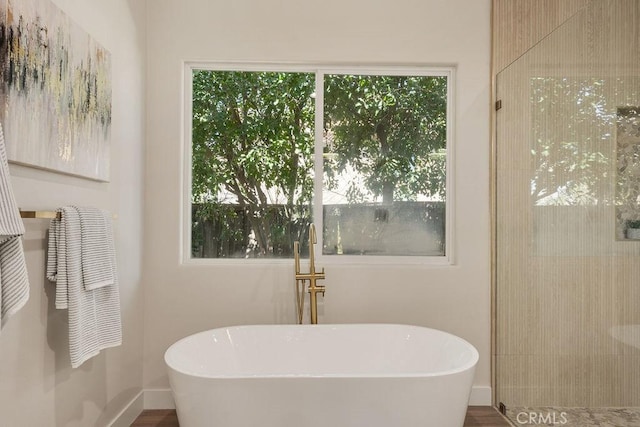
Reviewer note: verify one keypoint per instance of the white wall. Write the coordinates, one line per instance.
(37, 385)
(182, 299)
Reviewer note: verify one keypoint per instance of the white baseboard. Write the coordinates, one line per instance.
(128, 415)
(480, 396)
(163, 399)
(158, 399)
(146, 399)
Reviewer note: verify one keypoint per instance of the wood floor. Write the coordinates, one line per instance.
(477, 416)
(484, 416)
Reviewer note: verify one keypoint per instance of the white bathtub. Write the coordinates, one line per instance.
(367, 375)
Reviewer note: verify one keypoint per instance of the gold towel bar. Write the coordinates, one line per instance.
(45, 214)
(39, 214)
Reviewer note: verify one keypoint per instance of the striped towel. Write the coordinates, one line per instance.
(96, 239)
(94, 314)
(14, 282)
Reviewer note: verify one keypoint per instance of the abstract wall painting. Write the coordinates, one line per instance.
(55, 94)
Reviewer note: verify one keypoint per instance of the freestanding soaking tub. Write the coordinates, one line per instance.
(365, 375)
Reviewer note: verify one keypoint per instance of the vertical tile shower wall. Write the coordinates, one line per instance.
(567, 289)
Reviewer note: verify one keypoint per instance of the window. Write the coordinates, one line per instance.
(364, 154)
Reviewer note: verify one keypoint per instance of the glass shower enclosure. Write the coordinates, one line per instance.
(567, 194)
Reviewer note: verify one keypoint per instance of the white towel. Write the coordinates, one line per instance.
(14, 282)
(97, 244)
(94, 315)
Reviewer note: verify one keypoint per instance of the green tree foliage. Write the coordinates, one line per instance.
(391, 129)
(253, 141)
(572, 163)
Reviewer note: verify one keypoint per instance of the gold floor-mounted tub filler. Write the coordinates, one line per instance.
(312, 276)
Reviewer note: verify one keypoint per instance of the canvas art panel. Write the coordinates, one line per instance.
(56, 91)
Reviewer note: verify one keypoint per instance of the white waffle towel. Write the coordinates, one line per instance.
(96, 239)
(14, 282)
(94, 314)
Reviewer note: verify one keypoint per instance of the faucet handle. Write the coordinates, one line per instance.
(296, 256)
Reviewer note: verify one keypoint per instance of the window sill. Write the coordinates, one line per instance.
(327, 260)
